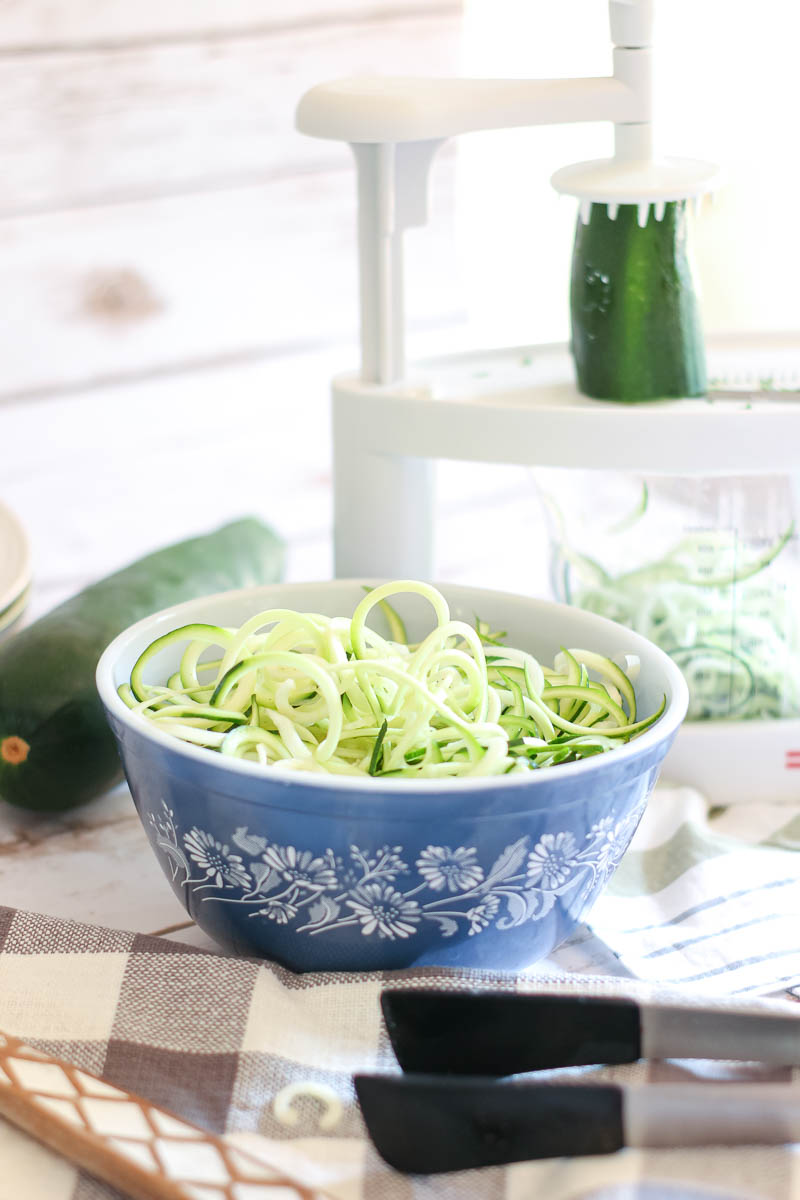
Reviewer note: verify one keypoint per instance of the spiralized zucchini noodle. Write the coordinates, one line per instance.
(734, 633)
(306, 692)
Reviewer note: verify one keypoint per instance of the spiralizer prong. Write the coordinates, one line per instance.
(635, 175)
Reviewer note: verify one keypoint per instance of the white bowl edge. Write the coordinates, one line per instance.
(173, 617)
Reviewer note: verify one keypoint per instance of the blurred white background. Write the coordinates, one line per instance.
(725, 90)
(177, 264)
(159, 211)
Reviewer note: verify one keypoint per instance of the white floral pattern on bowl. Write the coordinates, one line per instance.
(378, 892)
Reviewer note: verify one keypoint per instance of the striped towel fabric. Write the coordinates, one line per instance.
(708, 900)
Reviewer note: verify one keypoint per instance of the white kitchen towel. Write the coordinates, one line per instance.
(708, 899)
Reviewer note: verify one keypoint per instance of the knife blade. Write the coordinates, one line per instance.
(429, 1124)
(505, 1033)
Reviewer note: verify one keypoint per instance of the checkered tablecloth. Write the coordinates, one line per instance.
(217, 1039)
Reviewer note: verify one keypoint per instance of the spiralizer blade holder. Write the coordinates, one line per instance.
(518, 405)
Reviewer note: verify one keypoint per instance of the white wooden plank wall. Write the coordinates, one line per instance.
(175, 258)
(88, 126)
(177, 286)
(42, 24)
(158, 207)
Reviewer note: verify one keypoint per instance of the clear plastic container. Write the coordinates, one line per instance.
(708, 568)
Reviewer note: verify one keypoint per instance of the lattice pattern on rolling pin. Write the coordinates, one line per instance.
(125, 1140)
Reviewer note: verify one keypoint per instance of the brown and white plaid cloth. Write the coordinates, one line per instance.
(216, 1039)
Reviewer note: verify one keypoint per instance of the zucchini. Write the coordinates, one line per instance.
(636, 330)
(56, 749)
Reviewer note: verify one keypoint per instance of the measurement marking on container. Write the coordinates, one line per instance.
(792, 759)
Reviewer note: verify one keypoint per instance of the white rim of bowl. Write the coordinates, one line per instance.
(668, 723)
(11, 591)
(9, 616)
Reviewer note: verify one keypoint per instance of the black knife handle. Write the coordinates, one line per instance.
(429, 1124)
(507, 1033)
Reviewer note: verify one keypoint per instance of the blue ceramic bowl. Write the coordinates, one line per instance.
(329, 873)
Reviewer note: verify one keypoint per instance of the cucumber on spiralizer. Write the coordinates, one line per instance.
(636, 330)
(56, 749)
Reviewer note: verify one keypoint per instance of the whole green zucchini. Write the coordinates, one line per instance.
(56, 749)
(636, 330)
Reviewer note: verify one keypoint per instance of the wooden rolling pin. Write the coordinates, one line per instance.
(126, 1141)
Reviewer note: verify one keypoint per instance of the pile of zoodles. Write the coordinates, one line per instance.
(734, 634)
(306, 692)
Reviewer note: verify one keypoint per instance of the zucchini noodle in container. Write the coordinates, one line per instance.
(305, 692)
(707, 568)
